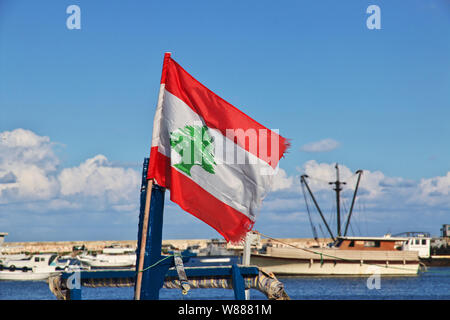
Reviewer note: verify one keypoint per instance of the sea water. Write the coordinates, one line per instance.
(431, 285)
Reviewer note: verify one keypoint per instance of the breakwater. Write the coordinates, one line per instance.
(65, 247)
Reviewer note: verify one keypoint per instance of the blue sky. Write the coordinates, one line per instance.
(311, 69)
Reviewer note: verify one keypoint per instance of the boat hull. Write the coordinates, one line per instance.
(109, 262)
(25, 276)
(330, 262)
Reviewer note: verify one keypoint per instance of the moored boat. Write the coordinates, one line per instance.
(214, 254)
(36, 273)
(114, 256)
(33, 267)
(345, 256)
(350, 256)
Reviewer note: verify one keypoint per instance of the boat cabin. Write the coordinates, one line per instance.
(116, 249)
(386, 243)
(37, 260)
(417, 241)
(420, 244)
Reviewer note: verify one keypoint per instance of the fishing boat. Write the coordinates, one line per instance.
(214, 254)
(345, 256)
(348, 256)
(113, 256)
(32, 267)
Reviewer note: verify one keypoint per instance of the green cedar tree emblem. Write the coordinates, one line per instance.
(195, 146)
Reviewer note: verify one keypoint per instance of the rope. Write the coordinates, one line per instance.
(156, 263)
(328, 255)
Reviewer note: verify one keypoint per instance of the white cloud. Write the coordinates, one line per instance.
(31, 160)
(29, 172)
(435, 191)
(373, 184)
(281, 181)
(23, 147)
(324, 145)
(96, 181)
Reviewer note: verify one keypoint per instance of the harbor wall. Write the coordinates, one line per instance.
(65, 247)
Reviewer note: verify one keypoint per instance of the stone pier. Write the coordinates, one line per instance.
(65, 247)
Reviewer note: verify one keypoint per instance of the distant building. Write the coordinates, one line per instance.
(445, 230)
(2, 237)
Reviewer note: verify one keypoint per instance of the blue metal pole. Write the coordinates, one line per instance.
(142, 206)
(75, 294)
(238, 283)
(153, 272)
(153, 278)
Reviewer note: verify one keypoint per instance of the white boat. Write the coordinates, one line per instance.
(214, 254)
(34, 267)
(346, 256)
(36, 273)
(215, 260)
(111, 257)
(351, 256)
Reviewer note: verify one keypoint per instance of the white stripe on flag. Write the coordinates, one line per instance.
(234, 184)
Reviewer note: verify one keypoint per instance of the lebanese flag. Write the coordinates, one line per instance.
(217, 162)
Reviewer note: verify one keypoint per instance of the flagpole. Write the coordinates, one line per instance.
(137, 294)
(246, 257)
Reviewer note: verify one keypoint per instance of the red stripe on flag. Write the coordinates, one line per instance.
(230, 223)
(221, 115)
(159, 168)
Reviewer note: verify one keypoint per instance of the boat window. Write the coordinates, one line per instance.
(372, 244)
(36, 259)
(352, 243)
(52, 258)
(424, 241)
(417, 241)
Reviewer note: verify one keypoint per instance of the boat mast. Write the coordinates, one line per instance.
(338, 189)
(359, 172)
